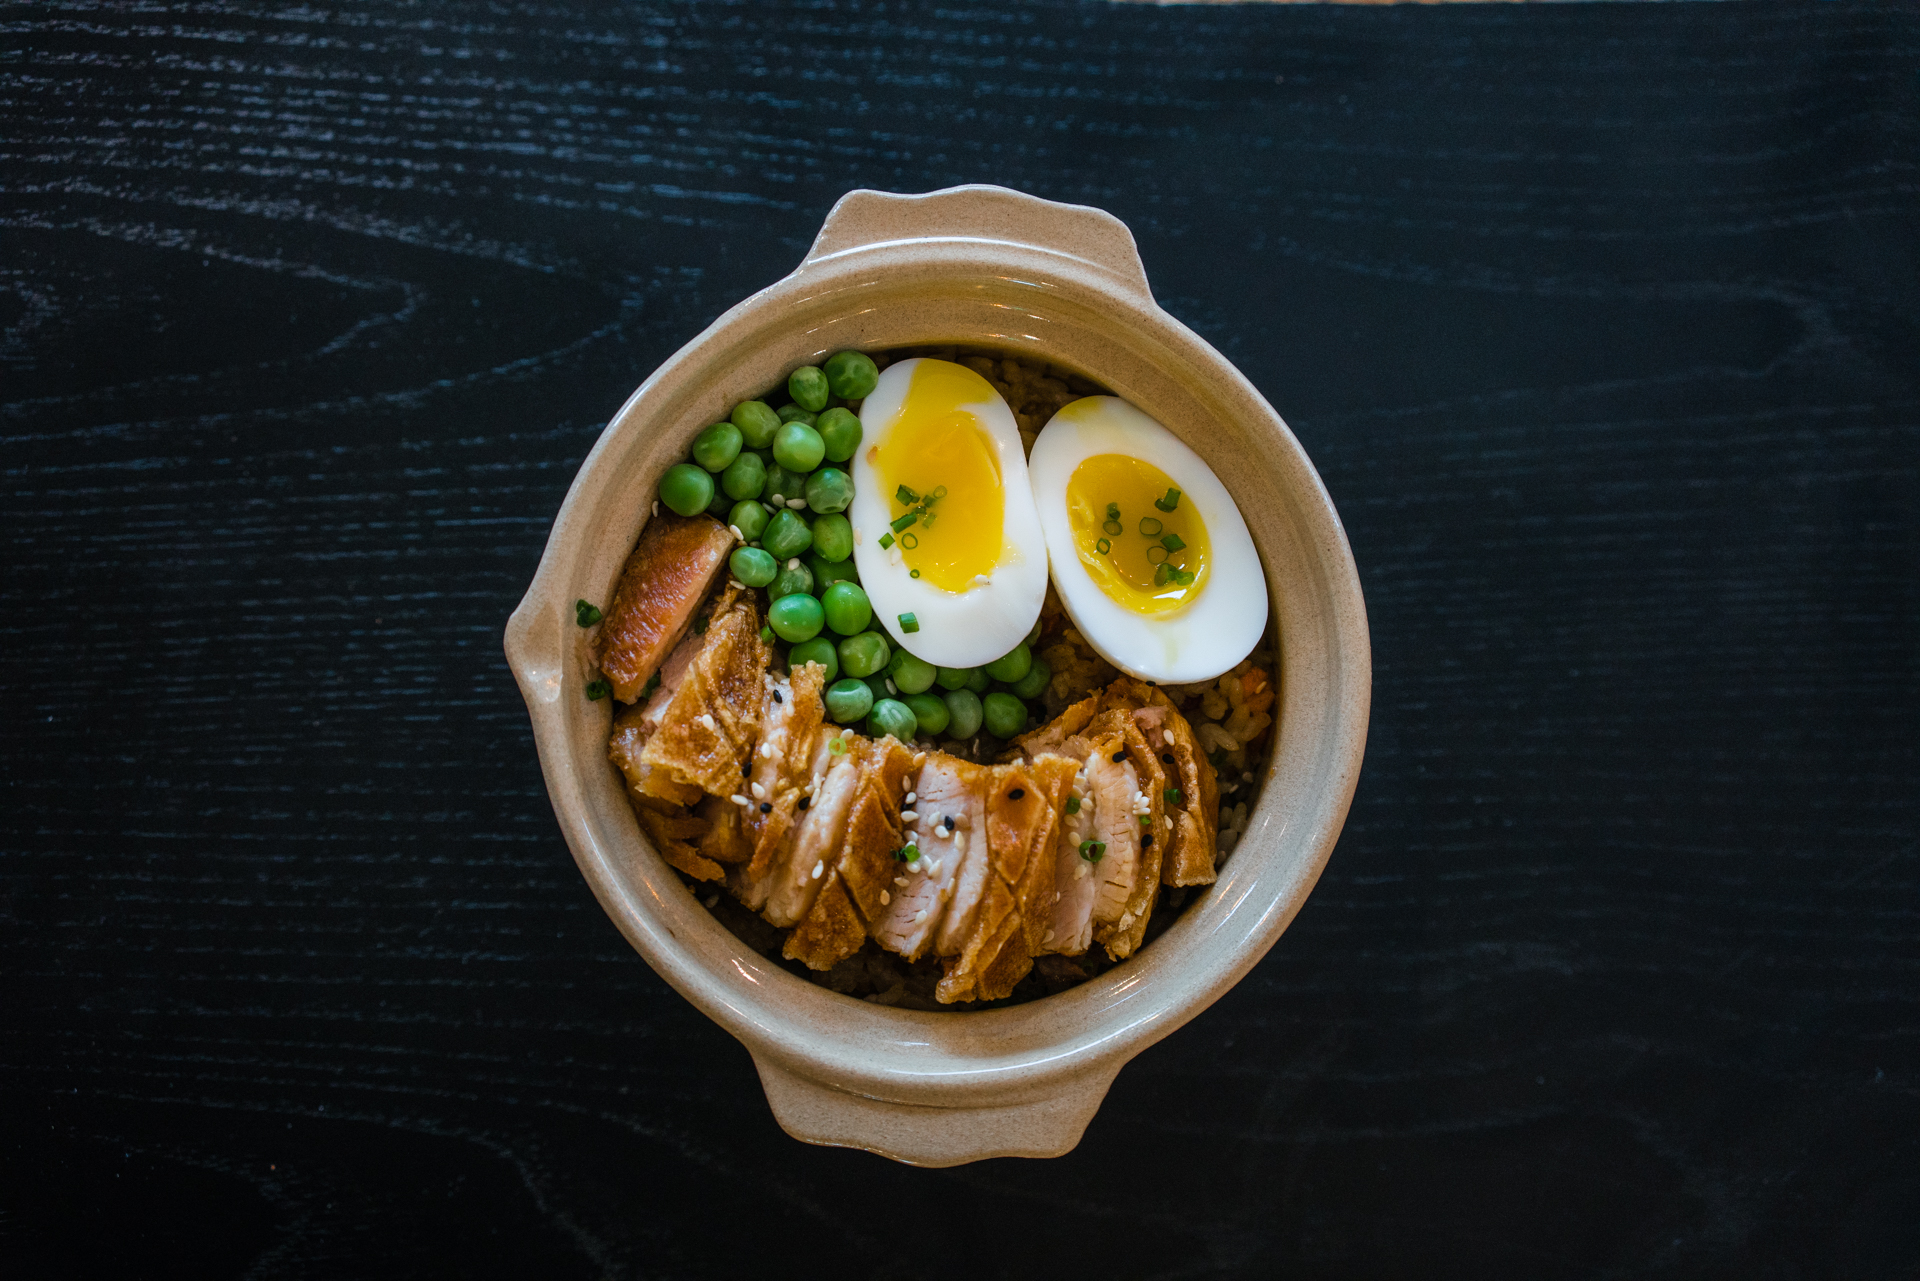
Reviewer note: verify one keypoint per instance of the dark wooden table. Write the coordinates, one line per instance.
(1602, 324)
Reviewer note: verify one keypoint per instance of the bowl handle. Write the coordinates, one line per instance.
(866, 219)
(1044, 1124)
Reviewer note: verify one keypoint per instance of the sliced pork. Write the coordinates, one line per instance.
(673, 567)
(712, 720)
(939, 825)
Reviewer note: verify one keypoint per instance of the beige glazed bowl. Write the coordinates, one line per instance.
(984, 266)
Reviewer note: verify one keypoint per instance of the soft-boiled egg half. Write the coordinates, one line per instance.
(1150, 555)
(946, 537)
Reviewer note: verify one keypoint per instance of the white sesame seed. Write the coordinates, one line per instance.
(736, 584)
(735, 531)
(899, 880)
(892, 688)
(1048, 938)
(656, 506)
(919, 758)
(769, 509)
(766, 750)
(819, 868)
(778, 500)
(797, 504)
(759, 792)
(858, 537)
(738, 799)
(912, 797)
(885, 898)
(793, 562)
(920, 916)
(706, 718)
(981, 580)
(908, 816)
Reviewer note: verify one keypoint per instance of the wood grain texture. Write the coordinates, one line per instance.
(1599, 321)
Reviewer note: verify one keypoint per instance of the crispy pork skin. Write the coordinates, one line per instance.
(673, 566)
(945, 787)
(713, 719)
(782, 762)
(645, 784)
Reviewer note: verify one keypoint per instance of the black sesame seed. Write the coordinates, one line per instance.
(1120, 755)
(1146, 842)
(805, 801)
(765, 808)
(1166, 758)
(1016, 793)
(777, 698)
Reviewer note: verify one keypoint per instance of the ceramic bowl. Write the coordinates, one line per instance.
(1062, 283)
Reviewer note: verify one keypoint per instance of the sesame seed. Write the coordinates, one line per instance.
(797, 504)
(908, 816)
(777, 698)
(912, 797)
(899, 880)
(778, 500)
(819, 868)
(738, 799)
(885, 898)
(918, 758)
(656, 507)
(793, 562)
(1120, 756)
(759, 792)
(706, 718)
(765, 808)
(766, 751)
(891, 688)
(735, 531)
(1016, 793)
(804, 802)
(736, 584)
(1048, 938)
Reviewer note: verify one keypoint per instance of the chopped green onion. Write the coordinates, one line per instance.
(1156, 554)
(905, 521)
(597, 690)
(1144, 819)
(913, 573)
(886, 541)
(906, 854)
(1172, 542)
(906, 497)
(586, 614)
(1073, 805)
(837, 746)
(939, 492)
(1161, 574)
(1184, 577)
(701, 623)
(909, 541)
(1113, 511)
(1093, 851)
(1113, 527)
(766, 635)
(1150, 527)
(1103, 547)
(909, 624)
(1175, 796)
(1171, 501)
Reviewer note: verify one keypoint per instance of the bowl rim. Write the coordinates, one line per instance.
(916, 1056)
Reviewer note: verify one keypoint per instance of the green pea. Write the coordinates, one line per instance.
(878, 684)
(848, 610)
(1005, 715)
(793, 578)
(930, 712)
(745, 478)
(798, 448)
(794, 414)
(1034, 683)
(686, 489)
(829, 490)
(963, 705)
(720, 505)
(1011, 666)
(749, 517)
(828, 572)
(783, 484)
(849, 700)
(865, 654)
(850, 374)
(752, 566)
(818, 650)
(717, 446)
(786, 535)
(798, 618)
(840, 431)
(891, 716)
(833, 536)
(757, 423)
(978, 681)
(911, 673)
(953, 677)
(808, 386)
(1033, 635)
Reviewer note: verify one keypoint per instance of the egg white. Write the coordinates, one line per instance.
(957, 629)
(1207, 636)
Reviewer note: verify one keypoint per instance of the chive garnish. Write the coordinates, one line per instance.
(905, 497)
(913, 573)
(597, 690)
(837, 746)
(1162, 574)
(905, 521)
(906, 854)
(909, 541)
(939, 492)
(908, 623)
(1073, 805)
(886, 541)
(1150, 527)
(1156, 554)
(1113, 511)
(1174, 796)
(1093, 851)
(1172, 542)
(1103, 547)
(586, 614)
(1113, 527)
(1171, 501)
(766, 635)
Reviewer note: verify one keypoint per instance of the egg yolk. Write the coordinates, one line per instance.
(942, 475)
(1140, 539)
